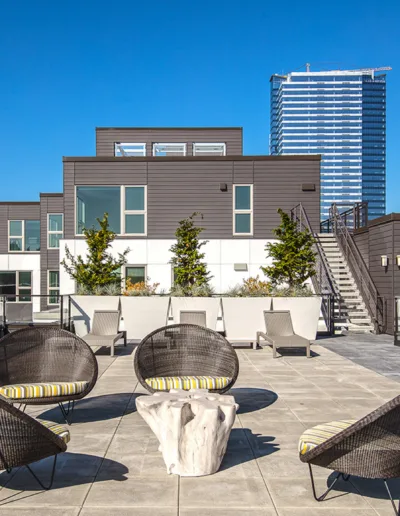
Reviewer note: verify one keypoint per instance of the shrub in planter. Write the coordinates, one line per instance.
(204, 290)
(251, 287)
(142, 288)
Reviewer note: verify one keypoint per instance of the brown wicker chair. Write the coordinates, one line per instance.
(186, 350)
(368, 448)
(24, 440)
(46, 356)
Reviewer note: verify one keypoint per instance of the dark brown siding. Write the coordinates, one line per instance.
(176, 188)
(15, 211)
(106, 138)
(362, 241)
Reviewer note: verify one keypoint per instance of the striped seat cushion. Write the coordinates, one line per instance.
(42, 390)
(321, 433)
(60, 430)
(164, 383)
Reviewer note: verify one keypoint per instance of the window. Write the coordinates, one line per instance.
(54, 287)
(209, 149)
(242, 209)
(54, 230)
(169, 149)
(16, 285)
(129, 149)
(92, 202)
(24, 235)
(135, 273)
(135, 210)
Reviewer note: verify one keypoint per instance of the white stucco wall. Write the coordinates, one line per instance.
(24, 262)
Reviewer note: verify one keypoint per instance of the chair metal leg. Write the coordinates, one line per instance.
(323, 496)
(67, 411)
(46, 488)
(308, 351)
(396, 510)
(274, 350)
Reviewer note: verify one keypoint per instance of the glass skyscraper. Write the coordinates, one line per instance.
(340, 114)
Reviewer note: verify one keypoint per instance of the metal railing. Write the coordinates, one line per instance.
(322, 281)
(374, 302)
(354, 217)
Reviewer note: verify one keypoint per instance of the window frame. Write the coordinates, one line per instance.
(18, 287)
(52, 288)
(239, 211)
(204, 144)
(118, 144)
(49, 232)
(22, 237)
(125, 212)
(124, 278)
(169, 143)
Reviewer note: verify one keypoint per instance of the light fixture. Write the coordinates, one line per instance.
(384, 260)
(398, 260)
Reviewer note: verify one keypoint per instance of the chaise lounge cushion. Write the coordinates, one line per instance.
(164, 383)
(316, 435)
(59, 430)
(42, 390)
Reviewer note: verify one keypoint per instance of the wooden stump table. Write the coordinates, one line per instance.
(193, 428)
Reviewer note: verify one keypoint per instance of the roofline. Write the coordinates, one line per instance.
(390, 217)
(44, 194)
(20, 203)
(169, 128)
(300, 157)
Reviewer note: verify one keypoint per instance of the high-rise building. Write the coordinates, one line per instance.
(340, 114)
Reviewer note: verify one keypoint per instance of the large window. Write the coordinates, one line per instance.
(54, 287)
(24, 236)
(209, 149)
(54, 230)
(135, 210)
(135, 273)
(126, 207)
(16, 285)
(169, 149)
(130, 149)
(242, 209)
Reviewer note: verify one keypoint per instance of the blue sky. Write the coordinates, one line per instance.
(67, 67)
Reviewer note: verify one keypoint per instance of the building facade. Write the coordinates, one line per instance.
(340, 114)
(147, 180)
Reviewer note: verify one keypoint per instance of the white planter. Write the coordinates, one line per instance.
(142, 315)
(305, 312)
(83, 307)
(244, 317)
(210, 305)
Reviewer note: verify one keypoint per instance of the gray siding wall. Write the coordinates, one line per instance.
(362, 242)
(176, 188)
(15, 211)
(106, 137)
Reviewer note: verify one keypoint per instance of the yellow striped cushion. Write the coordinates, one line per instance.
(60, 430)
(42, 390)
(321, 433)
(164, 383)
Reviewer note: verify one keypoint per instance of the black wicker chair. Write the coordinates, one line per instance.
(46, 356)
(186, 350)
(368, 448)
(24, 440)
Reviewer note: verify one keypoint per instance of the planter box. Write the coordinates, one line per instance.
(244, 317)
(83, 307)
(210, 305)
(142, 315)
(305, 312)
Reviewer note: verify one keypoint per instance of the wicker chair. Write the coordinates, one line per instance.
(41, 366)
(181, 354)
(24, 440)
(368, 448)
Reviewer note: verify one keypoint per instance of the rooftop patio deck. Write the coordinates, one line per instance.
(113, 467)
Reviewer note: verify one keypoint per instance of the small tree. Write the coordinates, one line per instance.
(294, 258)
(100, 269)
(189, 268)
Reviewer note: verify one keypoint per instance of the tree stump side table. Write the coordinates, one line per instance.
(193, 428)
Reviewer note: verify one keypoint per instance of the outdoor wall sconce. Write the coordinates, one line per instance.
(398, 260)
(223, 187)
(240, 267)
(384, 260)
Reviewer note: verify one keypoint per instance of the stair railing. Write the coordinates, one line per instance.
(373, 301)
(322, 281)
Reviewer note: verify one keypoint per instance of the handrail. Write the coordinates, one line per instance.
(374, 302)
(322, 281)
(355, 217)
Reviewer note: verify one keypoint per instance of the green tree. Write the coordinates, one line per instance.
(189, 268)
(294, 258)
(99, 269)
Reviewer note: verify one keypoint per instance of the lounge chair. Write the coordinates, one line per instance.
(367, 448)
(193, 317)
(105, 330)
(186, 356)
(24, 440)
(279, 332)
(42, 366)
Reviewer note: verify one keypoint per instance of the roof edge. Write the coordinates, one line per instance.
(300, 157)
